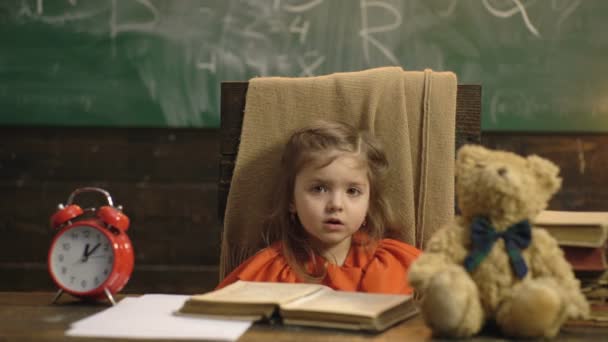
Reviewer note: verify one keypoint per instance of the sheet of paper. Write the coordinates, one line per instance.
(152, 316)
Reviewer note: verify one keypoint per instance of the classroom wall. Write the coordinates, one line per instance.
(124, 95)
(167, 181)
(582, 158)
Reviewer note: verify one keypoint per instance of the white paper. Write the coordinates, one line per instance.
(152, 316)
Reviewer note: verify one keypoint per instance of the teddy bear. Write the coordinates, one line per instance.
(490, 265)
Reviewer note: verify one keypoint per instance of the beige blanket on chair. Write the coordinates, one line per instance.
(411, 112)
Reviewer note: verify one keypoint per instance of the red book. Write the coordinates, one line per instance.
(586, 258)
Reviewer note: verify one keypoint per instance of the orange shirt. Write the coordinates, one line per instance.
(381, 270)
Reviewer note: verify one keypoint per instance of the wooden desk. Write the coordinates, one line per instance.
(29, 316)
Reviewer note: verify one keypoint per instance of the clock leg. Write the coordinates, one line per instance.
(57, 295)
(109, 295)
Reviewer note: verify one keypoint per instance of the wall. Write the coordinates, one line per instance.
(167, 180)
(582, 158)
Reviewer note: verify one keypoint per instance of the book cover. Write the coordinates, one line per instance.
(578, 236)
(586, 258)
(571, 218)
(572, 228)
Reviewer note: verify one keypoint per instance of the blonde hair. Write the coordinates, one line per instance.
(319, 143)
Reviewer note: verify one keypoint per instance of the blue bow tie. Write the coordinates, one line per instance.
(483, 236)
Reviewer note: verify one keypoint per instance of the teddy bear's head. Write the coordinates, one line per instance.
(503, 186)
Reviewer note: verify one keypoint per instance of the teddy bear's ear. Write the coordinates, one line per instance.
(470, 154)
(546, 172)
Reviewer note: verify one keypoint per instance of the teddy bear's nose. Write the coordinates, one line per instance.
(502, 171)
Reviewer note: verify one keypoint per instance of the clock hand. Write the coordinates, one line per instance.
(93, 250)
(85, 254)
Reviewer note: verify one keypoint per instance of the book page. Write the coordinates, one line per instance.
(575, 218)
(348, 303)
(258, 292)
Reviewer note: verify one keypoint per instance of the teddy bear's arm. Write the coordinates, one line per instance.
(442, 250)
(547, 260)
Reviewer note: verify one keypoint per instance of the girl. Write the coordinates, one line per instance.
(331, 216)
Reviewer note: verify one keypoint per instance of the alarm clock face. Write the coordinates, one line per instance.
(81, 259)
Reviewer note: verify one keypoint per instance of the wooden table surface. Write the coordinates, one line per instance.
(30, 316)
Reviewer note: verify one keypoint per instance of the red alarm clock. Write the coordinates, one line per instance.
(91, 257)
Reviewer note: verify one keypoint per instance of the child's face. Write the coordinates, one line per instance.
(332, 201)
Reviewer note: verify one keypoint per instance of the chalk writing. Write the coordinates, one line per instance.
(449, 10)
(40, 5)
(308, 68)
(300, 27)
(299, 8)
(147, 26)
(517, 8)
(210, 64)
(366, 31)
(162, 61)
(39, 14)
(568, 9)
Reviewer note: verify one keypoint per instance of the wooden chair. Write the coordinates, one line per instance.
(233, 94)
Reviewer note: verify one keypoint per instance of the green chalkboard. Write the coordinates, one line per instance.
(543, 64)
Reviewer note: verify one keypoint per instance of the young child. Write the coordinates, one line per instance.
(331, 216)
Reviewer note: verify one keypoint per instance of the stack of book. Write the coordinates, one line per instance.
(583, 236)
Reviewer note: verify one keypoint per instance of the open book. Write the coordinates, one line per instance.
(303, 304)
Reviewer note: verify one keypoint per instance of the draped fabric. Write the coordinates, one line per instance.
(411, 112)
